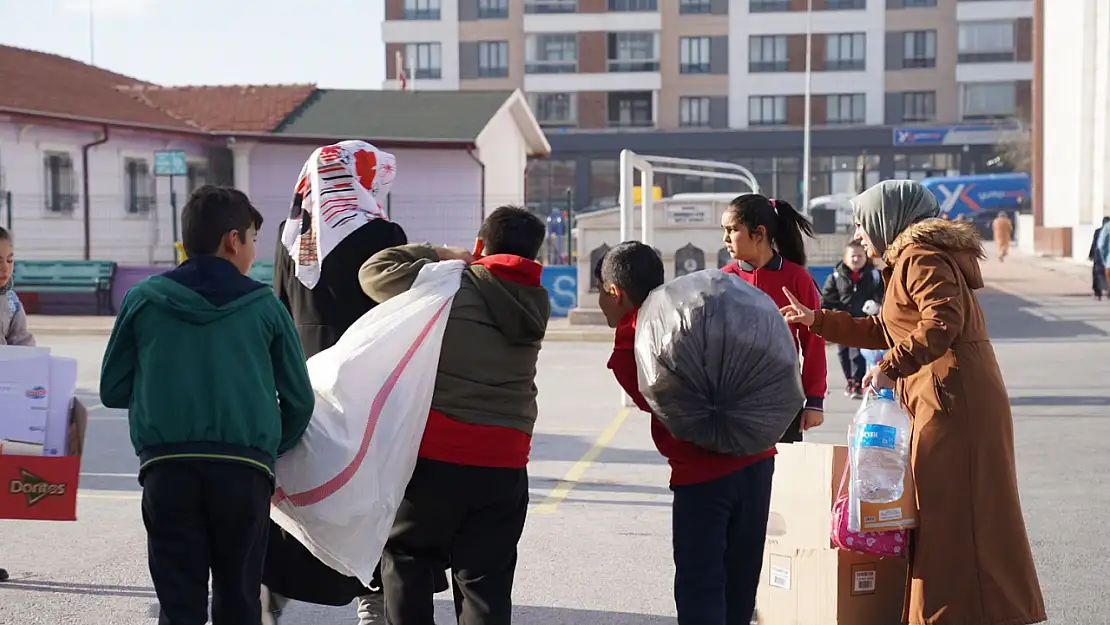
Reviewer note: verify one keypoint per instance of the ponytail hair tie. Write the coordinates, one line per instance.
(774, 206)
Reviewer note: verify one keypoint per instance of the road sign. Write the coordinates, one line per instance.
(170, 163)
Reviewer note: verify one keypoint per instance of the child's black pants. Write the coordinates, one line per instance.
(720, 527)
(469, 516)
(852, 363)
(203, 516)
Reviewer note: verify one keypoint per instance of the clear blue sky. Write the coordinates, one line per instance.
(334, 43)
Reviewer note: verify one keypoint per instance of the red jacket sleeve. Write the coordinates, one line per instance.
(815, 373)
(623, 364)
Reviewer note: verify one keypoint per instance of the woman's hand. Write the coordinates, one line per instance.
(796, 312)
(875, 378)
(812, 419)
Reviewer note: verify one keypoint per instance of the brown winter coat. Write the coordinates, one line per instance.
(970, 560)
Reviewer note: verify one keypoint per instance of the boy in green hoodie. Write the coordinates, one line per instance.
(210, 368)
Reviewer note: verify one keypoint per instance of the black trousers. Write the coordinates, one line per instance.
(1098, 279)
(471, 517)
(852, 363)
(203, 516)
(719, 530)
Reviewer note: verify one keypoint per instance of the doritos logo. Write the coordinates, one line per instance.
(35, 488)
(37, 392)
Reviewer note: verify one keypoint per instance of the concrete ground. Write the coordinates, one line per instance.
(596, 549)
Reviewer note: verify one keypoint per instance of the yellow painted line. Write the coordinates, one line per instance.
(574, 475)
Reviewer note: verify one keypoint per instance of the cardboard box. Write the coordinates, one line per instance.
(805, 581)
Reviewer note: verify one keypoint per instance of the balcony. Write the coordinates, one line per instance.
(987, 57)
(768, 6)
(550, 6)
(421, 14)
(550, 67)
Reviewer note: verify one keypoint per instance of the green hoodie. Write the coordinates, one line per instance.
(208, 363)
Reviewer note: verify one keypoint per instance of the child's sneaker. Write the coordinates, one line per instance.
(857, 391)
(850, 389)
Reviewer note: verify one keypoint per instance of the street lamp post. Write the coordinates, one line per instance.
(809, 108)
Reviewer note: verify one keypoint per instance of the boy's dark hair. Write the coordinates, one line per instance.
(211, 213)
(784, 225)
(632, 267)
(854, 244)
(5, 235)
(513, 230)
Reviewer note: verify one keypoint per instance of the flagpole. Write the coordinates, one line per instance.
(92, 36)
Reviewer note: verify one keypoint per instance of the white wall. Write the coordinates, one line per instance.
(503, 151)
(444, 30)
(742, 84)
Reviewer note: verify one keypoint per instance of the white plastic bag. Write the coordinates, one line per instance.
(339, 488)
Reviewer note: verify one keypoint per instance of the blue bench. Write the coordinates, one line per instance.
(263, 272)
(68, 276)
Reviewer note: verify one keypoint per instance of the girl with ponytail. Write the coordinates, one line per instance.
(765, 237)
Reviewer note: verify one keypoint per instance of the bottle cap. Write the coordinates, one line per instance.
(885, 393)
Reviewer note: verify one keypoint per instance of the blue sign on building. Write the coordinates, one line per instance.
(968, 134)
(561, 282)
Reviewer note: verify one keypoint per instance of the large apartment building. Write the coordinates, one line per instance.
(899, 87)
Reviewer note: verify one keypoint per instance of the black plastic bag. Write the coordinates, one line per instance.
(717, 363)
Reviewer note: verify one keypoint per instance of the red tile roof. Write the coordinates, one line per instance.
(244, 108)
(52, 85)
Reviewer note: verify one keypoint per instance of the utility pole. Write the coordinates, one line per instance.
(806, 148)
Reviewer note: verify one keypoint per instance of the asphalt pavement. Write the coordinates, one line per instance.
(596, 549)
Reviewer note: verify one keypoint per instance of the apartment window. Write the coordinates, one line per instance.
(693, 55)
(196, 176)
(695, 6)
(845, 52)
(631, 109)
(768, 6)
(988, 100)
(693, 112)
(422, 9)
(986, 42)
(550, 6)
(423, 60)
(493, 59)
(554, 53)
(59, 183)
(919, 48)
(555, 109)
(633, 52)
(913, 4)
(767, 110)
(138, 186)
(493, 9)
(919, 106)
(848, 108)
(633, 5)
(767, 53)
(845, 5)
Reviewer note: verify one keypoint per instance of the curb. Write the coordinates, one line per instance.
(70, 331)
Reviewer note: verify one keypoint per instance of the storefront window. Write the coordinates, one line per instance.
(548, 181)
(925, 165)
(604, 183)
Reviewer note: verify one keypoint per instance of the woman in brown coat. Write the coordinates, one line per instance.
(970, 562)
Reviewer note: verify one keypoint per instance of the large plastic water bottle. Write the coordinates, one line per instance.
(881, 448)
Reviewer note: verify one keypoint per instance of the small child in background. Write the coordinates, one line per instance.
(13, 318)
(854, 287)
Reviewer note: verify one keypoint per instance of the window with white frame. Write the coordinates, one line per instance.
(59, 182)
(423, 60)
(493, 9)
(919, 106)
(631, 109)
(986, 42)
(138, 186)
(846, 108)
(196, 176)
(550, 6)
(767, 110)
(493, 59)
(768, 6)
(633, 52)
(693, 53)
(919, 48)
(422, 9)
(987, 100)
(767, 53)
(845, 51)
(551, 53)
(554, 109)
(693, 112)
(633, 5)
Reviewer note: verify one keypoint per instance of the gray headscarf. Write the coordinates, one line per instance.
(888, 208)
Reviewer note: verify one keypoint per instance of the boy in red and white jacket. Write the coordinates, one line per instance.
(721, 502)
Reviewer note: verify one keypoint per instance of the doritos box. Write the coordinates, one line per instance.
(42, 488)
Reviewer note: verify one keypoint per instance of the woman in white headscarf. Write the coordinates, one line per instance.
(970, 561)
(337, 221)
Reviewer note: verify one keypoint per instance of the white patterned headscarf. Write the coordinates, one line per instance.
(340, 189)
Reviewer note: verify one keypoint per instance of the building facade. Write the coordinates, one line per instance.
(899, 87)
